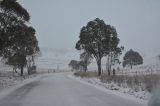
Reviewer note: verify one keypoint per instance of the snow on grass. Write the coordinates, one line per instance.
(11, 84)
(112, 88)
(8, 81)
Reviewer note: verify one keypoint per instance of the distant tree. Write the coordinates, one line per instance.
(159, 57)
(132, 58)
(80, 65)
(74, 65)
(98, 39)
(86, 58)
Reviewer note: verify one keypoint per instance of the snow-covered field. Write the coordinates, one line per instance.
(114, 88)
(150, 69)
(9, 78)
(15, 83)
(140, 97)
(8, 81)
(60, 90)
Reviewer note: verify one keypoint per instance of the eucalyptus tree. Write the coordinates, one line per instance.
(112, 48)
(74, 65)
(17, 40)
(25, 46)
(11, 14)
(98, 39)
(132, 58)
(12, 7)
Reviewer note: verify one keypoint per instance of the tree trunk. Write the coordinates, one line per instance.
(99, 67)
(109, 66)
(109, 72)
(110, 63)
(85, 68)
(29, 70)
(114, 72)
(21, 70)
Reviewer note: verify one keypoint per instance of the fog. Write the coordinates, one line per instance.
(58, 24)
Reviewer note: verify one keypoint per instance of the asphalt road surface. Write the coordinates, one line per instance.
(61, 90)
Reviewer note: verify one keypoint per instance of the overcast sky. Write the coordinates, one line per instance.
(58, 24)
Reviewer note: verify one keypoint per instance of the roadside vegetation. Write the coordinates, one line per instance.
(100, 40)
(135, 82)
(140, 86)
(18, 43)
(88, 74)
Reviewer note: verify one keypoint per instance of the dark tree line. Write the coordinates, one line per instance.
(18, 43)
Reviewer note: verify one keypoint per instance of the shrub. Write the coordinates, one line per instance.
(136, 82)
(87, 74)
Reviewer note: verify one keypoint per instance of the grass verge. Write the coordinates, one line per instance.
(88, 74)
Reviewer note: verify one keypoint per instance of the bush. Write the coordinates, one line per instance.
(136, 82)
(87, 74)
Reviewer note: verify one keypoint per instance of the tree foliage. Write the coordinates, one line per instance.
(17, 39)
(85, 58)
(74, 65)
(98, 39)
(12, 14)
(132, 58)
(25, 45)
(159, 57)
(13, 7)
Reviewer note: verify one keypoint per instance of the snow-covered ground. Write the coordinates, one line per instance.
(13, 84)
(150, 67)
(9, 78)
(140, 96)
(60, 90)
(8, 81)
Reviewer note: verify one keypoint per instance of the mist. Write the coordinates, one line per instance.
(58, 24)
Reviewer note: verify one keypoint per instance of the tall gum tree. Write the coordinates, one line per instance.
(95, 38)
(17, 40)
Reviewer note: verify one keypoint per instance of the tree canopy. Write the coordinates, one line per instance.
(17, 38)
(132, 58)
(85, 58)
(13, 7)
(98, 39)
(159, 57)
(74, 65)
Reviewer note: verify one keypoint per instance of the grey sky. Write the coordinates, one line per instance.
(58, 23)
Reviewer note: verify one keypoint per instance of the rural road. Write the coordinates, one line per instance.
(61, 90)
